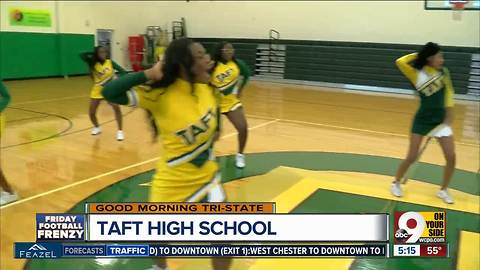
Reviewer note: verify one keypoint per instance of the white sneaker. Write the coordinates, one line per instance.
(6, 197)
(396, 189)
(155, 267)
(96, 131)
(443, 194)
(240, 161)
(120, 135)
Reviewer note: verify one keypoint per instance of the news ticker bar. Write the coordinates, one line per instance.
(424, 250)
(62, 250)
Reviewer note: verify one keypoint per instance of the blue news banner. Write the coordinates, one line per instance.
(62, 250)
(54, 231)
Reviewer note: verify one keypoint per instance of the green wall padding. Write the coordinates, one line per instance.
(71, 45)
(26, 55)
(32, 55)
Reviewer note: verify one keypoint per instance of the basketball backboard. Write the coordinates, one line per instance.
(450, 4)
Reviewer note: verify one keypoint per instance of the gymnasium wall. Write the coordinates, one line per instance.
(125, 18)
(400, 22)
(361, 39)
(5, 6)
(54, 50)
(30, 51)
(392, 22)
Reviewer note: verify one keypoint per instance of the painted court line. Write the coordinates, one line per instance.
(345, 128)
(47, 100)
(77, 183)
(112, 172)
(252, 128)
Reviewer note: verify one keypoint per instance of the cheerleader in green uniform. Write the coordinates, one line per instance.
(432, 81)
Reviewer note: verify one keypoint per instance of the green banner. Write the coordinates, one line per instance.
(30, 17)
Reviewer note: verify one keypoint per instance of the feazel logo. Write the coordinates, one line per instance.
(37, 250)
(420, 227)
(38, 247)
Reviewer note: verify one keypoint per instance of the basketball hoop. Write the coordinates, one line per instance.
(458, 6)
(457, 9)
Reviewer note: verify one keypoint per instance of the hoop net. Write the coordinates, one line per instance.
(457, 9)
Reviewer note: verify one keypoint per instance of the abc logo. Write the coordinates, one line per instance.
(401, 235)
(410, 227)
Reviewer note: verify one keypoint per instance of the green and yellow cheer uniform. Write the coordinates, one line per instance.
(186, 116)
(102, 73)
(229, 78)
(435, 90)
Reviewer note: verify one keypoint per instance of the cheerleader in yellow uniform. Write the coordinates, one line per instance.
(230, 75)
(7, 194)
(185, 110)
(102, 69)
(432, 81)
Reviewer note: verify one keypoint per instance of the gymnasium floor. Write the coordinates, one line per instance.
(310, 149)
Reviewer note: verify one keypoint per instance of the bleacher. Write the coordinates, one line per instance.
(368, 64)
